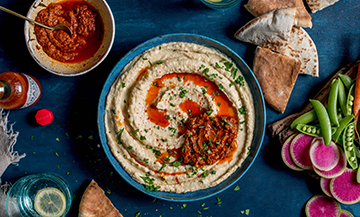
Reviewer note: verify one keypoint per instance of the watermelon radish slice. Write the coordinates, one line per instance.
(338, 169)
(285, 154)
(322, 206)
(345, 213)
(324, 157)
(345, 188)
(325, 186)
(299, 150)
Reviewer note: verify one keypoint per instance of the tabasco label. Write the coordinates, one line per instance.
(34, 92)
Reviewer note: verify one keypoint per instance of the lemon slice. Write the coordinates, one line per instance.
(50, 202)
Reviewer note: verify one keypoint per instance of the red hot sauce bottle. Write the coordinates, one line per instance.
(18, 90)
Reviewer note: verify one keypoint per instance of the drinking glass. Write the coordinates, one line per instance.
(20, 198)
(219, 4)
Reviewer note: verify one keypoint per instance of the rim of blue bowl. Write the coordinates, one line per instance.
(259, 121)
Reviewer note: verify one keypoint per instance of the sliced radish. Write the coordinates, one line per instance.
(322, 206)
(325, 186)
(345, 188)
(337, 170)
(345, 213)
(324, 157)
(299, 150)
(285, 154)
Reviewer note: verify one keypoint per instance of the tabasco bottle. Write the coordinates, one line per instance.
(18, 90)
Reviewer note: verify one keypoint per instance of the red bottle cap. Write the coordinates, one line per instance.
(44, 117)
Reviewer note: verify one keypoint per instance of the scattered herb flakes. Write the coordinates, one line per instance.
(138, 214)
(68, 173)
(159, 62)
(57, 154)
(218, 201)
(162, 166)
(150, 63)
(33, 152)
(183, 206)
(155, 83)
(242, 110)
(144, 58)
(79, 137)
(154, 200)
(206, 208)
(142, 138)
(91, 137)
(246, 212)
(57, 139)
(67, 134)
(119, 136)
(135, 132)
(236, 188)
(108, 190)
(32, 137)
(129, 147)
(176, 163)
(123, 84)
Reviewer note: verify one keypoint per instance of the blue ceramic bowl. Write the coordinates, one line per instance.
(259, 113)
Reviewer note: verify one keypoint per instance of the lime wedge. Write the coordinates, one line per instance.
(50, 202)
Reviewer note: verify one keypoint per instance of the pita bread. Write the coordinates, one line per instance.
(317, 5)
(94, 203)
(275, 30)
(260, 7)
(274, 26)
(277, 75)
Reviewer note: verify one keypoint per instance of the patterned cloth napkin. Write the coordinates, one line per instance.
(7, 155)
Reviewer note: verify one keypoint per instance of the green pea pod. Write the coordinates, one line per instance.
(342, 97)
(342, 124)
(304, 119)
(347, 81)
(332, 102)
(324, 120)
(313, 130)
(350, 100)
(349, 146)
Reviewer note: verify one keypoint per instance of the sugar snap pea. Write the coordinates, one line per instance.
(313, 130)
(342, 97)
(349, 146)
(347, 81)
(324, 120)
(342, 124)
(350, 100)
(332, 102)
(304, 119)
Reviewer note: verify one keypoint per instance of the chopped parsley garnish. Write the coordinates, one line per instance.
(123, 84)
(119, 136)
(242, 110)
(155, 83)
(142, 138)
(236, 188)
(233, 73)
(162, 166)
(135, 132)
(182, 93)
(218, 201)
(176, 164)
(159, 62)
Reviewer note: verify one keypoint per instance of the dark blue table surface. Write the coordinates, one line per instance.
(269, 188)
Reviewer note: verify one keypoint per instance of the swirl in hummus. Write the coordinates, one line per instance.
(180, 117)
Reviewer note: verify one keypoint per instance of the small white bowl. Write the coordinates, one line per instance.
(70, 69)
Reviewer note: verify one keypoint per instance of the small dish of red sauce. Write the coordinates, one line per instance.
(92, 24)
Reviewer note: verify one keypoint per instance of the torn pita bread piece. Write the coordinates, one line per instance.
(317, 5)
(274, 26)
(260, 7)
(276, 75)
(94, 203)
(275, 30)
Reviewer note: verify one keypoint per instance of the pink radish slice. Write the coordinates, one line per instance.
(338, 169)
(322, 206)
(345, 213)
(299, 150)
(325, 186)
(324, 157)
(345, 188)
(285, 154)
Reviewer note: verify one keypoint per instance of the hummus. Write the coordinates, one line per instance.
(180, 118)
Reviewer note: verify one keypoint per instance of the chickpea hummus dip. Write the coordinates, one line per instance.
(180, 118)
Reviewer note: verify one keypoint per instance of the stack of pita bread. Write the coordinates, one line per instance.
(94, 203)
(285, 50)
